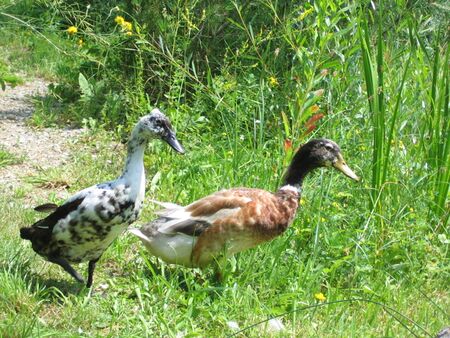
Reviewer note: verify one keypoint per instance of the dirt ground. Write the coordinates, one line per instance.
(38, 148)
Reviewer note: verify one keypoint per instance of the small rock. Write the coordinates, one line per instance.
(445, 333)
(275, 325)
(233, 325)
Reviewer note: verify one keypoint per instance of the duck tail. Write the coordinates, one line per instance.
(137, 232)
(166, 205)
(26, 233)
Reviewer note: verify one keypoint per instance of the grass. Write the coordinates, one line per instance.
(378, 251)
(136, 295)
(7, 158)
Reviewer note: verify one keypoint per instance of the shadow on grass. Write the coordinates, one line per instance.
(18, 267)
(188, 280)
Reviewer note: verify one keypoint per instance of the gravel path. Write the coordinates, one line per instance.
(39, 148)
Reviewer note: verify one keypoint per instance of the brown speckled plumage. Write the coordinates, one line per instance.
(234, 220)
(264, 217)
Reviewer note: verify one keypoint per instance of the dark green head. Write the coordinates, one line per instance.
(315, 154)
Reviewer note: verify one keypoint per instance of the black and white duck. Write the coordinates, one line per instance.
(233, 220)
(84, 226)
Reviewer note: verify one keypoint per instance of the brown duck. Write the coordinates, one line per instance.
(233, 220)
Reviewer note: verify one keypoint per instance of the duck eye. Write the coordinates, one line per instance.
(329, 146)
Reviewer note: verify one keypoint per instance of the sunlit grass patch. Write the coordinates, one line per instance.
(7, 158)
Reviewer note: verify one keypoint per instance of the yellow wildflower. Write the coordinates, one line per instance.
(72, 30)
(305, 14)
(273, 81)
(119, 20)
(128, 33)
(128, 26)
(80, 42)
(315, 108)
(320, 297)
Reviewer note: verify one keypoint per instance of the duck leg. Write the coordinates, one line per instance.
(220, 267)
(91, 268)
(66, 266)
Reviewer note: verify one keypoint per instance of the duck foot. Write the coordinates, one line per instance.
(91, 269)
(67, 267)
(218, 276)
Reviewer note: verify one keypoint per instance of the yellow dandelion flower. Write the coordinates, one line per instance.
(128, 26)
(273, 81)
(72, 30)
(119, 20)
(320, 297)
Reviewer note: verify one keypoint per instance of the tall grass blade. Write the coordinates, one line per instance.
(372, 72)
(441, 144)
(394, 119)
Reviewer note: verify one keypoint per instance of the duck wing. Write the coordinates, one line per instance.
(60, 212)
(40, 233)
(195, 218)
(50, 221)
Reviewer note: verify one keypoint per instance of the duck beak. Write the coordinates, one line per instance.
(344, 168)
(173, 142)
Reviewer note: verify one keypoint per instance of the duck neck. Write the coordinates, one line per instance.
(297, 171)
(134, 166)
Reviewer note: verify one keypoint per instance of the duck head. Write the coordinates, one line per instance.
(157, 125)
(314, 154)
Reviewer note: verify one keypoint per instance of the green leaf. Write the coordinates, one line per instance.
(286, 124)
(85, 87)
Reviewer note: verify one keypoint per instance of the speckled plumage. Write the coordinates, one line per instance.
(234, 220)
(86, 224)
